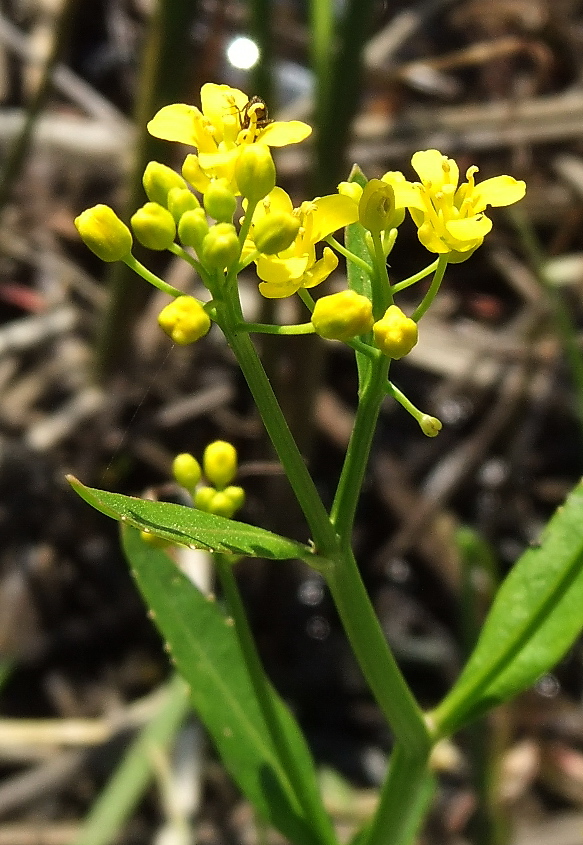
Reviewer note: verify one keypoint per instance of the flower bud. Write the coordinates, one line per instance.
(179, 201)
(376, 209)
(186, 470)
(430, 426)
(220, 247)
(158, 180)
(219, 461)
(184, 320)
(275, 231)
(104, 233)
(342, 316)
(203, 498)
(395, 334)
(154, 226)
(220, 202)
(236, 496)
(255, 172)
(225, 503)
(193, 228)
(194, 174)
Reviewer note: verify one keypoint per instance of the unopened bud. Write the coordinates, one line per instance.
(186, 470)
(184, 320)
(203, 498)
(158, 180)
(220, 247)
(193, 228)
(154, 226)
(255, 172)
(395, 334)
(219, 461)
(342, 316)
(275, 231)
(181, 200)
(220, 202)
(104, 233)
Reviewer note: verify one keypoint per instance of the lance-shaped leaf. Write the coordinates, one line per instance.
(205, 649)
(536, 615)
(191, 527)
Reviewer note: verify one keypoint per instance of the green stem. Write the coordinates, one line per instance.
(349, 486)
(308, 800)
(179, 251)
(150, 277)
(350, 256)
(405, 795)
(269, 328)
(374, 655)
(422, 274)
(229, 317)
(399, 396)
(433, 289)
(382, 292)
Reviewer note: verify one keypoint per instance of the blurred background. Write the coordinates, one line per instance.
(89, 385)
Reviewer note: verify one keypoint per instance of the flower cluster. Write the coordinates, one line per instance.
(195, 215)
(219, 467)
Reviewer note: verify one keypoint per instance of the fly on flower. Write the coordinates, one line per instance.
(254, 113)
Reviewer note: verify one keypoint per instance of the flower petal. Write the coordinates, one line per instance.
(281, 270)
(178, 122)
(332, 213)
(498, 191)
(469, 231)
(434, 168)
(283, 132)
(321, 269)
(220, 100)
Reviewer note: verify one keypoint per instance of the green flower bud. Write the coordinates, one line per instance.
(220, 202)
(342, 316)
(275, 231)
(220, 247)
(158, 180)
(184, 320)
(395, 334)
(430, 426)
(193, 228)
(236, 495)
(181, 200)
(224, 504)
(203, 498)
(186, 470)
(255, 172)
(376, 209)
(219, 462)
(154, 226)
(104, 233)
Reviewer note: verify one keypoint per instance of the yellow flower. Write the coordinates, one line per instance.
(228, 122)
(297, 266)
(450, 219)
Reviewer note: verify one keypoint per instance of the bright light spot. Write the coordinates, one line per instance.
(243, 53)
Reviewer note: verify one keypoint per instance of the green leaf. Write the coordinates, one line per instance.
(205, 649)
(190, 527)
(536, 616)
(358, 279)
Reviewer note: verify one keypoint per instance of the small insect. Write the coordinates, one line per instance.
(254, 113)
